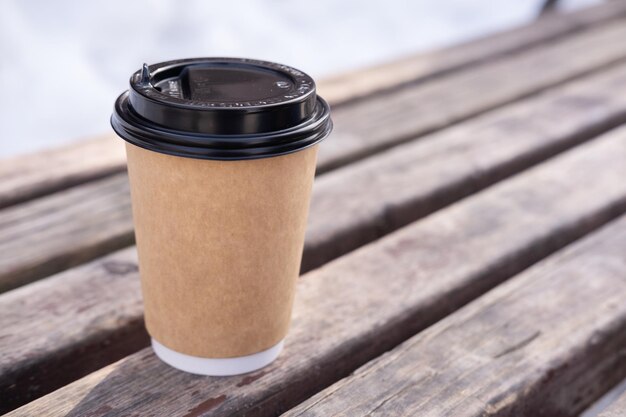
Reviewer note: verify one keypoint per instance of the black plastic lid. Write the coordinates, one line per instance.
(221, 108)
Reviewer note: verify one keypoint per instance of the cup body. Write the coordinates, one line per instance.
(220, 245)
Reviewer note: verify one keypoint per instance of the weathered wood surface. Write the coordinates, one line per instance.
(366, 200)
(387, 119)
(351, 86)
(67, 228)
(355, 205)
(351, 206)
(51, 336)
(618, 408)
(30, 176)
(430, 268)
(26, 177)
(547, 343)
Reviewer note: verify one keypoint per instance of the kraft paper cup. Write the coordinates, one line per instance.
(220, 245)
(221, 159)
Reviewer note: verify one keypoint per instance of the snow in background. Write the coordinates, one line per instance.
(64, 62)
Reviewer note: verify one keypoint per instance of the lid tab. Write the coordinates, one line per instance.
(145, 74)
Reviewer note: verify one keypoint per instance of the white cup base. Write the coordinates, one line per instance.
(217, 366)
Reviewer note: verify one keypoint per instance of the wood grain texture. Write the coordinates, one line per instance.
(56, 232)
(385, 120)
(366, 200)
(29, 176)
(361, 305)
(547, 343)
(354, 85)
(618, 408)
(350, 206)
(63, 329)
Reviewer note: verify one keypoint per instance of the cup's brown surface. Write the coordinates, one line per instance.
(220, 245)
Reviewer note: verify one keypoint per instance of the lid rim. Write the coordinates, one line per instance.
(148, 135)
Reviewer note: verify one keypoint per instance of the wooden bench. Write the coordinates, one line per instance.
(464, 255)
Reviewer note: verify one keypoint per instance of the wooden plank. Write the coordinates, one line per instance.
(547, 343)
(59, 231)
(351, 206)
(33, 175)
(63, 339)
(354, 85)
(345, 314)
(617, 409)
(30, 176)
(388, 119)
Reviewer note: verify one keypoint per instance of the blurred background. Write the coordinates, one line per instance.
(64, 62)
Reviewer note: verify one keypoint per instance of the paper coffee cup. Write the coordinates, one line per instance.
(221, 159)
